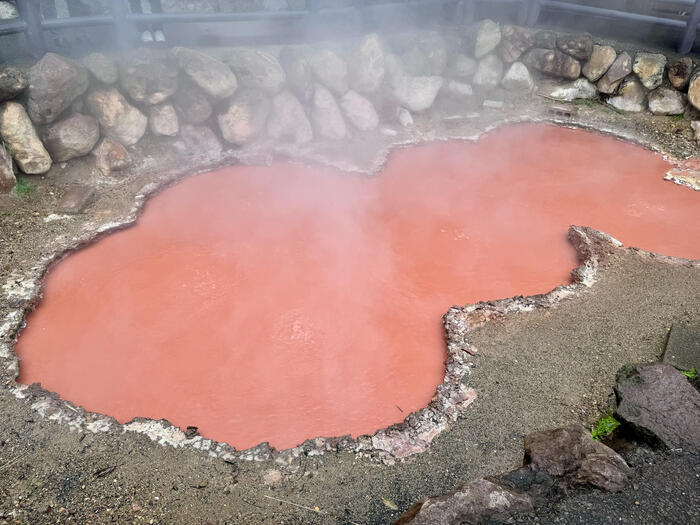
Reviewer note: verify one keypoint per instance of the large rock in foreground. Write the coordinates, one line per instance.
(658, 403)
(18, 132)
(120, 120)
(553, 62)
(54, 83)
(71, 137)
(476, 502)
(213, 76)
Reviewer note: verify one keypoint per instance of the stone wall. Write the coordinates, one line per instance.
(59, 109)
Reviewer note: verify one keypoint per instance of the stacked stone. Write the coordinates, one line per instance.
(99, 106)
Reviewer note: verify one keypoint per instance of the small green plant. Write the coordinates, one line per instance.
(690, 374)
(7, 147)
(678, 117)
(605, 426)
(24, 187)
(584, 102)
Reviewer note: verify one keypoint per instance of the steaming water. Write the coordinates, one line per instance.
(285, 302)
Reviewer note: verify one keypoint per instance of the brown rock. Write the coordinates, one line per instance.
(605, 471)
(119, 119)
(12, 82)
(630, 96)
(76, 198)
(694, 89)
(71, 137)
(163, 121)
(679, 72)
(514, 42)
(244, 117)
(18, 132)
(620, 68)
(553, 62)
(111, 156)
(601, 59)
(192, 103)
(54, 83)
(650, 68)
(577, 46)
(148, 75)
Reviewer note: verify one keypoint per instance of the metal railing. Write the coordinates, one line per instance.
(122, 21)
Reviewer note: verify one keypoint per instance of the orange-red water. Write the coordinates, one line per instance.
(285, 302)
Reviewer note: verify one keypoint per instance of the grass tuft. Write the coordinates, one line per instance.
(24, 187)
(606, 425)
(690, 374)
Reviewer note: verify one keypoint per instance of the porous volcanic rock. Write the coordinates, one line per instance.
(572, 452)
(300, 76)
(359, 111)
(611, 80)
(650, 67)
(18, 132)
(7, 171)
(163, 121)
(191, 102)
(518, 78)
(148, 75)
(553, 62)
(71, 137)
(514, 42)
(211, 75)
(111, 156)
(694, 89)
(119, 119)
(245, 116)
(679, 72)
(489, 72)
(577, 46)
(659, 404)
(54, 83)
(666, 101)
(461, 67)
(487, 38)
(13, 81)
(630, 96)
(257, 69)
(288, 121)
(476, 502)
(580, 88)
(102, 68)
(330, 70)
(416, 93)
(366, 66)
(326, 115)
(601, 59)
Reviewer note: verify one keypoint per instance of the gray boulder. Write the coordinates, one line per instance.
(201, 140)
(457, 90)
(330, 70)
(102, 68)
(359, 111)
(288, 121)
(211, 75)
(119, 119)
(71, 137)
(650, 68)
(476, 502)
(148, 75)
(7, 171)
(461, 67)
(666, 101)
(245, 116)
(553, 62)
(366, 66)
(578, 46)
(326, 115)
(300, 77)
(694, 90)
(514, 42)
(631, 95)
(488, 36)
(13, 81)
(54, 83)
(489, 72)
(163, 121)
(257, 69)
(191, 102)
(404, 117)
(679, 72)
(518, 78)
(658, 403)
(572, 452)
(620, 68)
(415, 93)
(601, 59)
(18, 132)
(111, 156)
(580, 88)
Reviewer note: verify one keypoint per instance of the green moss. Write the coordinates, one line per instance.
(690, 374)
(24, 187)
(678, 117)
(605, 426)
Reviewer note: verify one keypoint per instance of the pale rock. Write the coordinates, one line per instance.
(488, 36)
(359, 111)
(163, 121)
(102, 68)
(300, 77)
(326, 115)
(71, 137)
(17, 131)
(330, 70)
(650, 68)
(578, 89)
(257, 69)
(666, 101)
(211, 75)
(288, 121)
(7, 171)
(119, 119)
(111, 156)
(601, 59)
(553, 62)
(457, 90)
(489, 72)
(245, 116)
(366, 66)
(416, 93)
(518, 78)
(631, 95)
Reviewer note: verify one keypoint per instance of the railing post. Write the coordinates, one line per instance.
(29, 11)
(118, 10)
(691, 29)
(467, 11)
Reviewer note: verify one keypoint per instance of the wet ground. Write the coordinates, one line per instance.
(534, 371)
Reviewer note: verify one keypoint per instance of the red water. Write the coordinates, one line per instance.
(285, 302)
